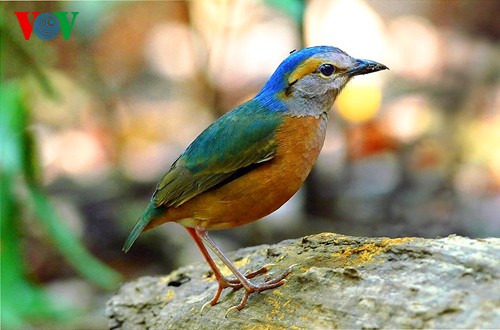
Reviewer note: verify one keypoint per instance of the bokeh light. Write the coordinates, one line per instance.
(413, 151)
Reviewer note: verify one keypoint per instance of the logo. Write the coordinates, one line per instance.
(46, 25)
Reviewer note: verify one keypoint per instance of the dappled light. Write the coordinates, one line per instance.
(91, 123)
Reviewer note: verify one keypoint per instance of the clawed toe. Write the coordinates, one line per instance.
(287, 272)
(267, 285)
(235, 284)
(257, 288)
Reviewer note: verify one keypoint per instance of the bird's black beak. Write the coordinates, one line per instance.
(364, 67)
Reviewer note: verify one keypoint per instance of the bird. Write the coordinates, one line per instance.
(252, 159)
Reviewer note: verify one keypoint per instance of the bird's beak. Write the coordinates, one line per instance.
(364, 67)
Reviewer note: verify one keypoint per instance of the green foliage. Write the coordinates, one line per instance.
(22, 300)
(293, 8)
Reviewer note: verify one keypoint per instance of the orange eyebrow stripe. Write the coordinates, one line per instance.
(306, 67)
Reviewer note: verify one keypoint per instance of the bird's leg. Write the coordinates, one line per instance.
(249, 286)
(223, 282)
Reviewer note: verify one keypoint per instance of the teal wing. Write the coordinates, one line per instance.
(240, 138)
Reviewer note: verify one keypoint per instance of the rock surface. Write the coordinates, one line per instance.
(338, 282)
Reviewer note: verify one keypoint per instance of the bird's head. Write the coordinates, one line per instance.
(315, 75)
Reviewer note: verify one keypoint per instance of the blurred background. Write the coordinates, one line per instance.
(89, 124)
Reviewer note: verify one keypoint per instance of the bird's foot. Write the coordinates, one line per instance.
(235, 284)
(270, 283)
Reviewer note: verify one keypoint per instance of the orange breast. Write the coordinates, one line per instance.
(262, 190)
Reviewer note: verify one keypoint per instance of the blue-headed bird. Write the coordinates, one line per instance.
(251, 160)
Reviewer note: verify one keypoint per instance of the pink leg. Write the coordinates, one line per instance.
(223, 282)
(201, 238)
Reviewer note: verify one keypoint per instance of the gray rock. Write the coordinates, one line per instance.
(338, 282)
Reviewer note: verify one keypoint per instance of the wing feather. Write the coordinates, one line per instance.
(240, 138)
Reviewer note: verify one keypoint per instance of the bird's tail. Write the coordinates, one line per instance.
(149, 214)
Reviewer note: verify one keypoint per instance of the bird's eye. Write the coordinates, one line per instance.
(327, 69)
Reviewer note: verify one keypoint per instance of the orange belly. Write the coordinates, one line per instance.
(262, 190)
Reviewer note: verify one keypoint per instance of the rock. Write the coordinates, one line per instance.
(338, 282)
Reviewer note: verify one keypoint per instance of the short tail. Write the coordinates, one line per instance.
(143, 221)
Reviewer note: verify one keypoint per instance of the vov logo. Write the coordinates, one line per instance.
(46, 25)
